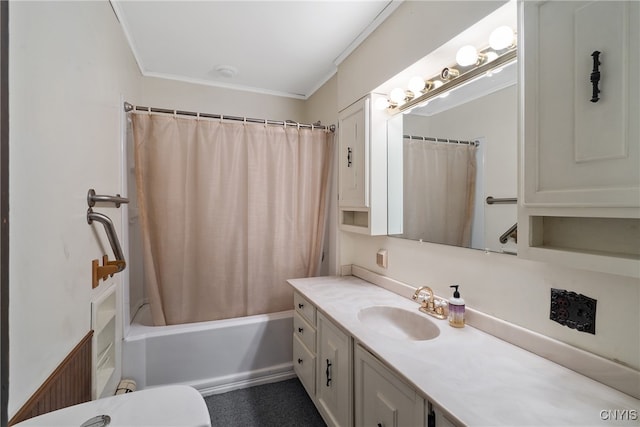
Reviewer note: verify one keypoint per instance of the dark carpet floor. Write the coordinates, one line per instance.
(282, 404)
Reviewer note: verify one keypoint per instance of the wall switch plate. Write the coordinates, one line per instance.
(573, 310)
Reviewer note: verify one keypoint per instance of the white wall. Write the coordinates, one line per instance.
(505, 286)
(69, 64)
(172, 94)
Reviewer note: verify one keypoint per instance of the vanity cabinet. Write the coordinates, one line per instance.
(304, 343)
(362, 173)
(381, 399)
(580, 134)
(348, 384)
(322, 355)
(334, 386)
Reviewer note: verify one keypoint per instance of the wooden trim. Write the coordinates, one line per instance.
(69, 384)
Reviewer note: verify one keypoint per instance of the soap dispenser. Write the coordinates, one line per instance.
(456, 309)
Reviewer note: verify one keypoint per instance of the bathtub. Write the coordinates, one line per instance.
(214, 357)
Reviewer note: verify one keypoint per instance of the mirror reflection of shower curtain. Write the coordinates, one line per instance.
(439, 191)
(229, 211)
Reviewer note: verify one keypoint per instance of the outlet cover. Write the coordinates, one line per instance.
(573, 310)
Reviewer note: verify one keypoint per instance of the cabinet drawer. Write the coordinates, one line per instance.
(305, 332)
(305, 308)
(304, 365)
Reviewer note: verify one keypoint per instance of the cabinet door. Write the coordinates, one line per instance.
(353, 134)
(333, 381)
(381, 398)
(578, 152)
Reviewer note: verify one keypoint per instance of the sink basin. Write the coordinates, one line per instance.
(396, 322)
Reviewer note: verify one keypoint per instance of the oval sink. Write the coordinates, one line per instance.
(396, 322)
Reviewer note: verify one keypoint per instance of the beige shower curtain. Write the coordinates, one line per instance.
(439, 188)
(229, 211)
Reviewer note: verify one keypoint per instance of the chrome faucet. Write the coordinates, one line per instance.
(430, 305)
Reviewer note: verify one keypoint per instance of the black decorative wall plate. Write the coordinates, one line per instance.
(573, 310)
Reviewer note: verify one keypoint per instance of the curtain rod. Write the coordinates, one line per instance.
(129, 108)
(447, 140)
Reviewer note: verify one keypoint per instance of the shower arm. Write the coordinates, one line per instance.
(108, 268)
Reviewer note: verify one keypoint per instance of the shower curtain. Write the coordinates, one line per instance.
(229, 211)
(439, 189)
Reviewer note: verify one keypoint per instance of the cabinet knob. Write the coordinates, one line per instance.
(300, 306)
(299, 361)
(349, 153)
(300, 330)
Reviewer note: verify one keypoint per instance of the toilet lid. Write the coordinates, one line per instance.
(175, 405)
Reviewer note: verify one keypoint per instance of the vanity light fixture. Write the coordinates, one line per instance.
(471, 63)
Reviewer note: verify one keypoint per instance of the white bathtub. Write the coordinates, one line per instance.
(213, 357)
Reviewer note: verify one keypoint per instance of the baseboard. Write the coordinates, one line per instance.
(248, 379)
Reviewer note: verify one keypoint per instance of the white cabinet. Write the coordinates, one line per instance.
(580, 180)
(304, 343)
(334, 386)
(322, 360)
(362, 172)
(381, 398)
(106, 343)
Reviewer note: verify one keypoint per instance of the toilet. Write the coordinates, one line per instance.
(173, 405)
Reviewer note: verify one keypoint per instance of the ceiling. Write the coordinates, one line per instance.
(286, 48)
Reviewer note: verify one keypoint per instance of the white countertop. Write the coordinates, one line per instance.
(477, 378)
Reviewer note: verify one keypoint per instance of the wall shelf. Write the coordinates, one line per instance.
(106, 343)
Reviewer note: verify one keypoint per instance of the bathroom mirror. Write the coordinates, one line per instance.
(447, 156)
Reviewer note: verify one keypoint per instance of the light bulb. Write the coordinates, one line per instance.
(491, 55)
(381, 104)
(467, 55)
(501, 38)
(397, 95)
(437, 84)
(416, 85)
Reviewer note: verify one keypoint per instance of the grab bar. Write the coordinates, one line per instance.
(509, 200)
(111, 234)
(92, 198)
(511, 232)
(108, 268)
